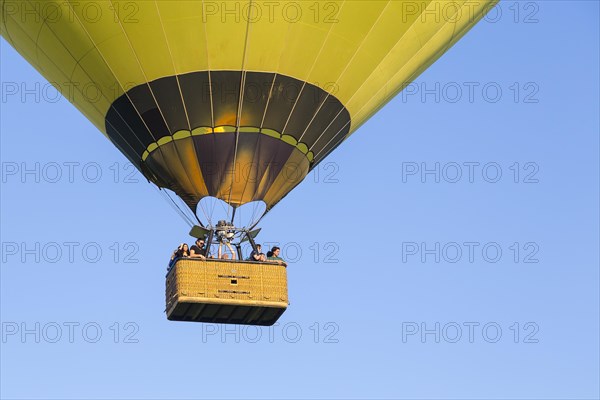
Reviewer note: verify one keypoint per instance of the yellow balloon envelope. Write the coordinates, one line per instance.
(237, 100)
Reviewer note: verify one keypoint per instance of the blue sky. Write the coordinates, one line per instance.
(388, 263)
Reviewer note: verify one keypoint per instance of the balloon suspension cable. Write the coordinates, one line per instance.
(201, 206)
(259, 219)
(176, 207)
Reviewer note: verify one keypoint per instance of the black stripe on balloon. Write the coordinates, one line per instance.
(275, 101)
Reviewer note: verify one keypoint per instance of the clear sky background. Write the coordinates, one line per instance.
(361, 237)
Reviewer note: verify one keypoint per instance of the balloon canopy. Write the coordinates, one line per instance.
(237, 100)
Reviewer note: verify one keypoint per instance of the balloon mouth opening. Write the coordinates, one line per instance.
(212, 209)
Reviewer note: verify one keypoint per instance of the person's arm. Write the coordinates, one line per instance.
(193, 254)
(233, 257)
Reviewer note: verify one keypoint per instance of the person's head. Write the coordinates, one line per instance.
(275, 250)
(185, 247)
(258, 247)
(225, 256)
(200, 242)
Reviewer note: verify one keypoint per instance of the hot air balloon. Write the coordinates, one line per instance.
(232, 100)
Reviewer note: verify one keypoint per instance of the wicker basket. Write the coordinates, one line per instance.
(228, 292)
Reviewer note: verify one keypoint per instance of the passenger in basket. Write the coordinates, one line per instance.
(197, 250)
(181, 252)
(257, 255)
(274, 254)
